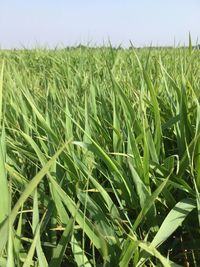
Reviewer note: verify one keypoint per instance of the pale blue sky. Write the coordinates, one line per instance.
(51, 22)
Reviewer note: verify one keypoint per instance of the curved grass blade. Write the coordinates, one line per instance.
(173, 220)
(27, 192)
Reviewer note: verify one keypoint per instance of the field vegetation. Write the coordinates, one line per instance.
(99, 157)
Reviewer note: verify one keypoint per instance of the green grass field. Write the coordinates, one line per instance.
(99, 157)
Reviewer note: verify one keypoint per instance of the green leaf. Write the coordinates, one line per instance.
(27, 192)
(173, 220)
(59, 251)
(79, 255)
(5, 196)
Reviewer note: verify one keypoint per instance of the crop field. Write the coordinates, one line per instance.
(100, 157)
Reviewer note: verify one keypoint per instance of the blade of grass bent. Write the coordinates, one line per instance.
(27, 192)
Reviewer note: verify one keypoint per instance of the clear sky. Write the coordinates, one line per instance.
(52, 22)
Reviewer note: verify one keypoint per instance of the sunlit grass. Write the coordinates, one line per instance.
(99, 157)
